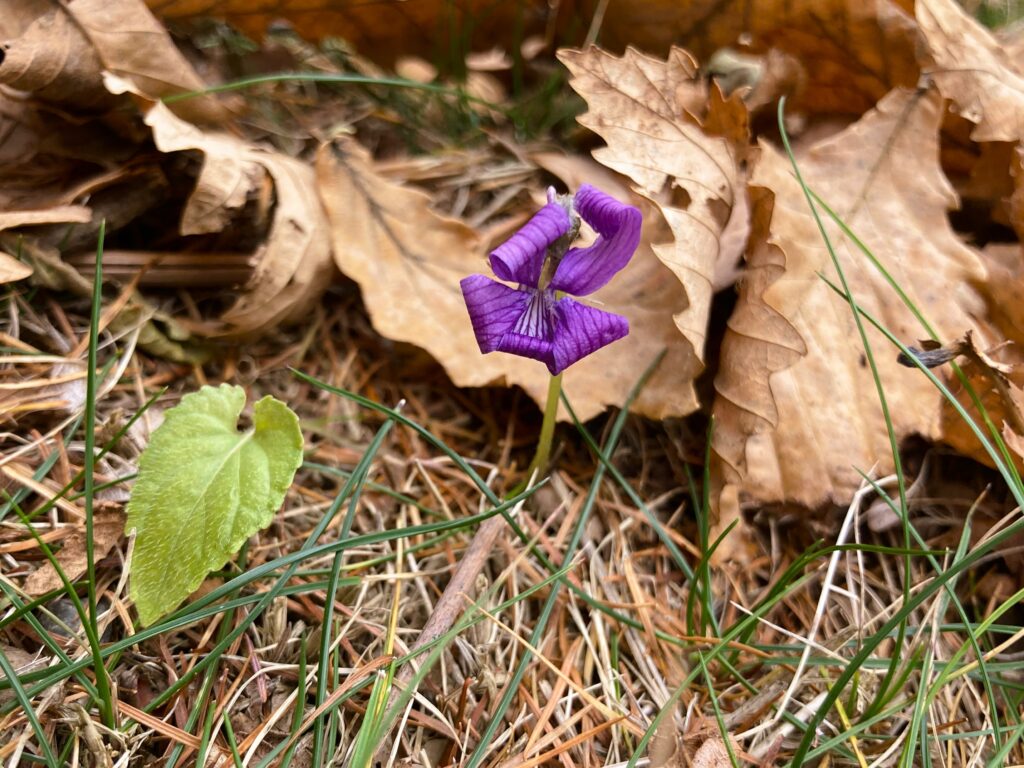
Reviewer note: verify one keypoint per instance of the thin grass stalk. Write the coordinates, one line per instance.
(961, 611)
(804, 748)
(91, 626)
(23, 700)
(898, 289)
(879, 388)
(43, 679)
(352, 490)
(448, 451)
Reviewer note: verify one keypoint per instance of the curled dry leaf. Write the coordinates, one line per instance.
(972, 69)
(997, 378)
(55, 62)
(796, 410)
(13, 269)
(134, 46)
(408, 261)
(294, 264)
(643, 109)
(107, 526)
(852, 51)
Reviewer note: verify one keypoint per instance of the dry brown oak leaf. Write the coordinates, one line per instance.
(852, 52)
(796, 411)
(408, 261)
(643, 109)
(997, 379)
(134, 46)
(972, 69)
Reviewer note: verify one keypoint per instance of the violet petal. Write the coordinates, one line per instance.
(520, 258)
(494, 309)
(583, 270)
(529, 346)
(531, 336)
(581, 330)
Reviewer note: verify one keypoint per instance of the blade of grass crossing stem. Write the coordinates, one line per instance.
(964, 381)
(205, 701)
(434, 649)
(459, 461)
(352, 490)
(926, 591)
(876, 377)
(951, 594)
(997, 460)
(21, 696)
(307, 549)
(367, 738)
(479, 753)
(69, 590)
(106, 701)
(46, 678)
(722, 729)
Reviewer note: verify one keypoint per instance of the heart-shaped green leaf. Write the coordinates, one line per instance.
(203, 489)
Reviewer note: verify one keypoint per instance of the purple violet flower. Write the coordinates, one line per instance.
(533, 320)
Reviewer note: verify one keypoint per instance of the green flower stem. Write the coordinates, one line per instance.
(547, 430)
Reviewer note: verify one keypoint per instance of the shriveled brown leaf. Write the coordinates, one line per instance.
(973, 70)
(408, 261)
(58, 214)
(12, 270)
(107, 527)
(796, 412)
(997, 378)
(294, 264)
(54, 61)
(852, 51)
(643, 109)
(133, 45)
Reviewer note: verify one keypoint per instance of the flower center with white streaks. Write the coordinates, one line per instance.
(536, 319)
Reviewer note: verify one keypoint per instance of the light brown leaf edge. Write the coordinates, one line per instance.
(55, 62)
(972, 69)
(796, 412)
(408, 261)
(107, 528)
(134, 46)
(852, 51)
(13, 269)
(643, 109)
(294, 264)
(997, 378)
